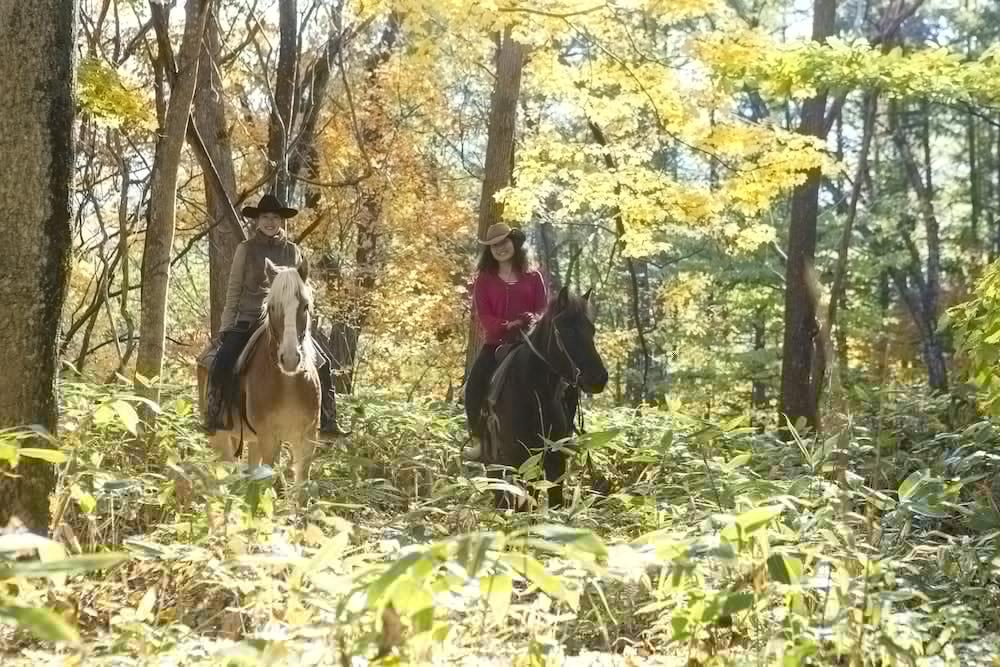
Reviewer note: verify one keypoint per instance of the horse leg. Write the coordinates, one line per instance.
(222, 443)
(302, 455)
(555, 469)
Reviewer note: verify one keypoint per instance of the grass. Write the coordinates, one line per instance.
(717, 544)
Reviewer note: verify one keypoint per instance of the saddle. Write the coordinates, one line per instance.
(207, 355)
(238, 398)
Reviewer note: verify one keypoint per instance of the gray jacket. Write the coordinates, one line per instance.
(245, 293)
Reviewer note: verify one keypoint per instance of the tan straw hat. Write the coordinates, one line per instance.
(496, 233)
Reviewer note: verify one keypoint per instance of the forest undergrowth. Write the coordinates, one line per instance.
(716, 544)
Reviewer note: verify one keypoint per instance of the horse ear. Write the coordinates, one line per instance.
(563, 297)
(270, 270)
(586, 295)
(304, 269)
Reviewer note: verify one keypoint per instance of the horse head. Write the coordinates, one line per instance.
(287, 309)
(571, 341)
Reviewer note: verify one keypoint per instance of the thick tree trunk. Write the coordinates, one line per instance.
(498, 164)
(797, 394)
(210, 115)
(162, 205)
(279, 131)
(37, 47)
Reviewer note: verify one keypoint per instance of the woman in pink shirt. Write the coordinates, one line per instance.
(507, 297)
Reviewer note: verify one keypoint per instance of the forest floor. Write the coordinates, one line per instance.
(717, 545)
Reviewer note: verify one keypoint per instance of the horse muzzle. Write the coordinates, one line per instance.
(290, 362)
(594, 383)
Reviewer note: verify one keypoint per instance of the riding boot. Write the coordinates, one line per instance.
(328, 407)
(213, 412)
(473, 452)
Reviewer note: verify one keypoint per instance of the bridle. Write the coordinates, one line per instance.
(574, 367)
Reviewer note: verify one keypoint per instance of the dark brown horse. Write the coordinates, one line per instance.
(526, 402)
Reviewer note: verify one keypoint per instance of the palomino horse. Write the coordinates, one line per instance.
(279, 389)
(525, 404)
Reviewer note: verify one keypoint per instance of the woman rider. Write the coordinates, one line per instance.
(241, 315)
(507, 296)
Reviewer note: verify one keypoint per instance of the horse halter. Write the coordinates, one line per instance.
(562, 348)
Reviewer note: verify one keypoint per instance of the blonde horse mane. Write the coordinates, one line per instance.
(286, 288)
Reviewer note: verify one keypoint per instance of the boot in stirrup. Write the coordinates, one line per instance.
(213, 413)
(328, 416)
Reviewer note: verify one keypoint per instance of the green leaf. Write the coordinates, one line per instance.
(784, 569)
(797, 655)
(910, 484)
(535, 573)
(580, 538)
(43, 623)
(127, 414)
(43, 453)
(596, 440)
(71, 565)
(496, 591)
(383, 585)
(737, 602)
(757, 518)
(738, 461)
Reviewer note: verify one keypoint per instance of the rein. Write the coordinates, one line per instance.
(562, 348)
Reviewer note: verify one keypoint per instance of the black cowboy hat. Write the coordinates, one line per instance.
(269, 204)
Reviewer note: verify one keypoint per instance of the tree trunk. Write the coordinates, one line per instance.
(162, 206)
(821, 362)
(758, 386)
(498, 166)
(37, 47)
(797, 394)
(210, 116)
(279, 129)
(548, 252)
(922, 299)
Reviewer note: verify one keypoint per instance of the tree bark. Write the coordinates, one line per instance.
(37, 50)
(210, 116)
(279, 129)
(821, 363)
(498, 165)
(798, 348)
(922, 292)
(162, 206)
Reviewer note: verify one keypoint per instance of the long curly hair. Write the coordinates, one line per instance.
(487, 262)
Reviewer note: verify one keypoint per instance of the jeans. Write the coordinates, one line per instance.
(477, 384)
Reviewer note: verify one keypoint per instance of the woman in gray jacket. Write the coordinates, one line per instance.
(241, 316)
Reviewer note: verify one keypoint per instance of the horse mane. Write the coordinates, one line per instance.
(287, 285)
(575, 306)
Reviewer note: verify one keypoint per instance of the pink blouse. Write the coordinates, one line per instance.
(496, 301)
